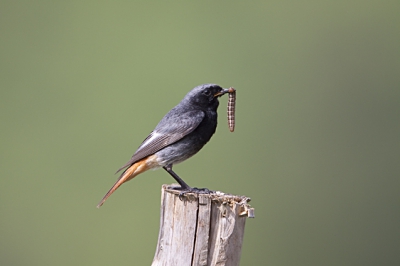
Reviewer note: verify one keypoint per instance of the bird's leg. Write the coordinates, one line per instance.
(185, 188)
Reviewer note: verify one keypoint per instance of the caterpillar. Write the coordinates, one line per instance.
(231, 108)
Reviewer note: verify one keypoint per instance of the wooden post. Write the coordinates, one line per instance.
(201, 229)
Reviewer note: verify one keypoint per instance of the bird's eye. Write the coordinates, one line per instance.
(207, 92)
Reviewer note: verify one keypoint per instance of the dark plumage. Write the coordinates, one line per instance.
(180, 134)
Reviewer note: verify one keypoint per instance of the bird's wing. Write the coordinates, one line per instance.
(170, 129)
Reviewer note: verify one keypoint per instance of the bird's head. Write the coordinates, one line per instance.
(206, 95)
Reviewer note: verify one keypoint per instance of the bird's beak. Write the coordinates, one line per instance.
(222, 92)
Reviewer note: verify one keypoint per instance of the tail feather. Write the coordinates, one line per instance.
(128, 174)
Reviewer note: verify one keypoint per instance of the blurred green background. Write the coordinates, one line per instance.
(316, 146)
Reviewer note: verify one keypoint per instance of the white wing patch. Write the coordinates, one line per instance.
(154, 136)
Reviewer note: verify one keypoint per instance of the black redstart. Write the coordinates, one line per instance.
(181, 133)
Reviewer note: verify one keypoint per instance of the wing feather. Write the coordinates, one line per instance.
(170, 129)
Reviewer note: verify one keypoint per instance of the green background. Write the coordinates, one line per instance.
(316, 146)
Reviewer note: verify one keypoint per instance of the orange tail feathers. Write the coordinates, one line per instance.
(135, 169)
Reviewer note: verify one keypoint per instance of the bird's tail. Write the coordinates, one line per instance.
(128, 174)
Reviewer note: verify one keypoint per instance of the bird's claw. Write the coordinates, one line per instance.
(193, 190)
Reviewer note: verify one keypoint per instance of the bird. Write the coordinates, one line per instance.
(180, 134)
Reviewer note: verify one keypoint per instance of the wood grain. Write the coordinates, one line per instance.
(201, 229)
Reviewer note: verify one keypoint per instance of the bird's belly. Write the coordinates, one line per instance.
(177, 152)
(190, 144)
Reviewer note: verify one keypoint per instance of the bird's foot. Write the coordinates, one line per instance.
(196, 190)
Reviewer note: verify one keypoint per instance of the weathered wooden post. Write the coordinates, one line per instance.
(201, 229)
